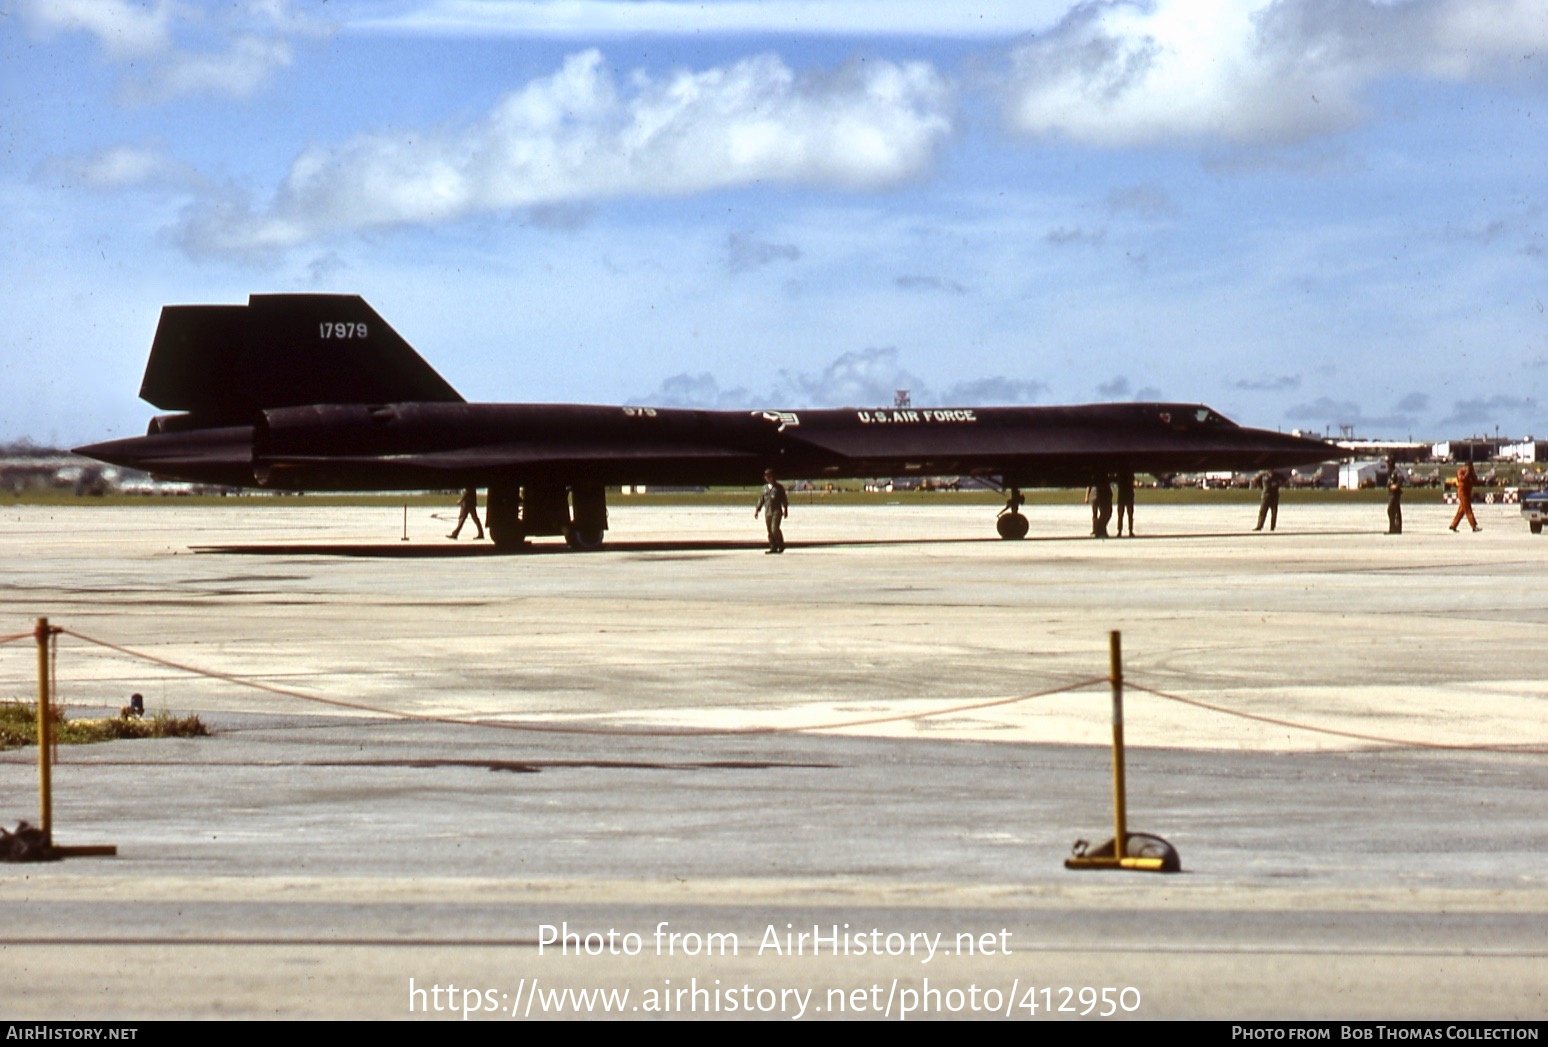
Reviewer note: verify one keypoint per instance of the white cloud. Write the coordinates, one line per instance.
(578, 136)
(591, 19)
(172, 50)
(1475, 38)
(700, 390)
(123, 167)
(1129, 72)
(239, 70)
(123, 30)
(859, 378)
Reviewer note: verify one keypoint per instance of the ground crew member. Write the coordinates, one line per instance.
(1101, 507)
(1126, 500)
(1465, 480)
(1268, 505)
(1394, 500)
(775, 505)
(467, 508)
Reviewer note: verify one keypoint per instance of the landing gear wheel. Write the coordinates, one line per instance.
(1011, 526)
(583, 539)
(506, 535)
(1536, 526)
(502, 518)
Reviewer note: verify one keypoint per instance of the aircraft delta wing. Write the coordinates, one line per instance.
(317, 392)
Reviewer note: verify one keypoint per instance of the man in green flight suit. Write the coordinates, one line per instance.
(775, 506)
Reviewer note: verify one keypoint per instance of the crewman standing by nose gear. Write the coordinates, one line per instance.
(1126, 500)
(1101, 507)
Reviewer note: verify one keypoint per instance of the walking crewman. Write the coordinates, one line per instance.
(467, 509)
(775, 505)
(1465, 480)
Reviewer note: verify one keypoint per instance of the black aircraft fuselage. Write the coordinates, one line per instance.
(317, 392)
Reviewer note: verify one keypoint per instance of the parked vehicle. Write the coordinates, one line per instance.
(1534, 506)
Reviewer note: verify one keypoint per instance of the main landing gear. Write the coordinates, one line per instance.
(1010, 523)
(577, 511)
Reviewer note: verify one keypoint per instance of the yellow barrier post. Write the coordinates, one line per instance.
(1141, 851)
(45, 634)
(1120, 789)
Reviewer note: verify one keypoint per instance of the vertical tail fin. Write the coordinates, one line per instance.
(283, 350)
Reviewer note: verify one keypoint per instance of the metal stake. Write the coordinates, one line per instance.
(1120, 791)
(45, 736)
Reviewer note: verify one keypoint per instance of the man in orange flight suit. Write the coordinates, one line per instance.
(1465, 479)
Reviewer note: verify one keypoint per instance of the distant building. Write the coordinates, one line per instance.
(1473, 449)
(1372, 472)
(1529, 450)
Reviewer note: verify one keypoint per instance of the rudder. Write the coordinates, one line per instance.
(283, 350)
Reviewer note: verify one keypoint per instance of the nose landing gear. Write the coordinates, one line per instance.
(1010, 524)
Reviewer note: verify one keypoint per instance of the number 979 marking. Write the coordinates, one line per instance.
(347, 329)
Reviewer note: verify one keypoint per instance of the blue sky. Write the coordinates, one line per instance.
(1306, 213)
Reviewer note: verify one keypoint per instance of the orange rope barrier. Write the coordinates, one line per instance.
(1380, 739)
(649, 732)
(673, 732)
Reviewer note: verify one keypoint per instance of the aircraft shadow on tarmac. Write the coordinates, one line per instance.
(423, 551)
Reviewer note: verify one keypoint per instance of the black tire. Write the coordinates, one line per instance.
(1536, 526)
(509, 538)
(584, 539)
(1012, 526)
(502, 518)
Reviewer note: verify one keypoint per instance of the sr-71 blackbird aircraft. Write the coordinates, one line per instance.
(317, 392)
